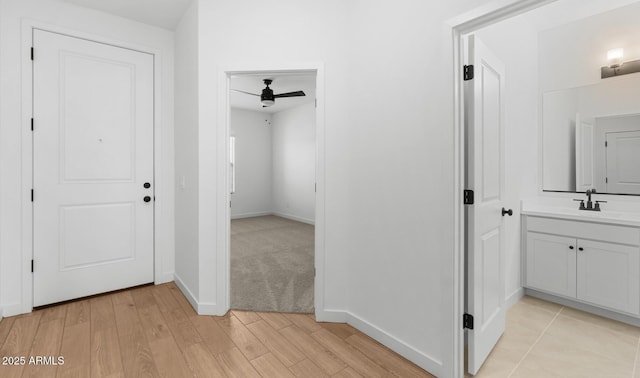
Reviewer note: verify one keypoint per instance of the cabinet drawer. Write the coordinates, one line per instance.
(585, 230)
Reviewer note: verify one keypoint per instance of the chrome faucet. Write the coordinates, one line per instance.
(590, 206)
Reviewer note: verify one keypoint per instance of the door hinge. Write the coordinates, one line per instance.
(31, 265)
(315, 187)
(31, 124)
(606, 180)
(31, 195)
(468, 197)
(314, 272)
(316, 103)
(468, 72)
(467, 321)
(606, 143)
(31, 53)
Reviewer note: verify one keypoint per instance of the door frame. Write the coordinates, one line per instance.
(163, 204)
(466, 23)
(223, 276)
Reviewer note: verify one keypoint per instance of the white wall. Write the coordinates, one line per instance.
(187, 159)
(389, 213)
(294, 158)
(15, 277)
(514, 42)
(253, 132)
(571, 55)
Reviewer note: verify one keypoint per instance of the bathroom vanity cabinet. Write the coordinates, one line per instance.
(588, 261)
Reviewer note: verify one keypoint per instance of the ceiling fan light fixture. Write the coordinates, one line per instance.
(267, 98)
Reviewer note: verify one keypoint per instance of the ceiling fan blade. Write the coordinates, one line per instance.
(249, 93)
(289, 94)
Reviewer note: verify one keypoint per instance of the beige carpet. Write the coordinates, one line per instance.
(272, 261)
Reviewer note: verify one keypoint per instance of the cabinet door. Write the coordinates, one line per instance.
(608, 275)
(551, 264)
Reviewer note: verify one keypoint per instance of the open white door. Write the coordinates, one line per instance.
(623, 162)
(584, 155)
(92, 167)
(484, 122)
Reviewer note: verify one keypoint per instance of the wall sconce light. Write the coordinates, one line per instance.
(616, 66)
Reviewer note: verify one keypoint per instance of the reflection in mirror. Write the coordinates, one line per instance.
(591, 137)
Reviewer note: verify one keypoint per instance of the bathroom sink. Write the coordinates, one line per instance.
(573, 213)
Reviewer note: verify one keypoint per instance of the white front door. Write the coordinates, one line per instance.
(484, 96)
(92, 167)
(623, 162)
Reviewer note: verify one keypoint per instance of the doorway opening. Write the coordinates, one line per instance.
(525, 41)
(275, 213)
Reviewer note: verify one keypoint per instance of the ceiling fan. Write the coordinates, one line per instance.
(268, 98)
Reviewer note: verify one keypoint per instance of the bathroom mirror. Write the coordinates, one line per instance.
(591, 137)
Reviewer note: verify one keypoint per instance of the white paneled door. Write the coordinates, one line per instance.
(623, 162)
(92, 167)
(485, 218)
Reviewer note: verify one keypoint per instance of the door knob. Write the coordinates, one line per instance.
(570, 247)
(505, 211)
(146, 185)
(146, 199)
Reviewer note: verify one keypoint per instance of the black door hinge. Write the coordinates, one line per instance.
(606, 180)
(468, 197)
(467, 321)
(31, 265)
(31, 195)
(606, 143)
(468, 72)
(31, 124)
(32, 53)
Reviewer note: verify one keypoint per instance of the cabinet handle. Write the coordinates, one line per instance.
(580, 249)
(570, 247)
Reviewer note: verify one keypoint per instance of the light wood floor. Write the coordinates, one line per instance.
(153, 331)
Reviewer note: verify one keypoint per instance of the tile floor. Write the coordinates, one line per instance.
(544, 339)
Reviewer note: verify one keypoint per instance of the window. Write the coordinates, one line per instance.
(232, 163)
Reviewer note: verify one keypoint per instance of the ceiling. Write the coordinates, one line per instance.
(282, 82)
(161, 13)
(563, 12)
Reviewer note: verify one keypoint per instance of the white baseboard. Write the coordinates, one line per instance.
(295, 218)
(426, 362)
(201, 308)
(250, 215)
(276, 213)
(514, 297)
(186, 292)
(13, 310)
(164, 278)
(210, 309)
(419, 358)
(331, 316)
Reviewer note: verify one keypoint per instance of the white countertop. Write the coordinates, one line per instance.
(604, 216)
